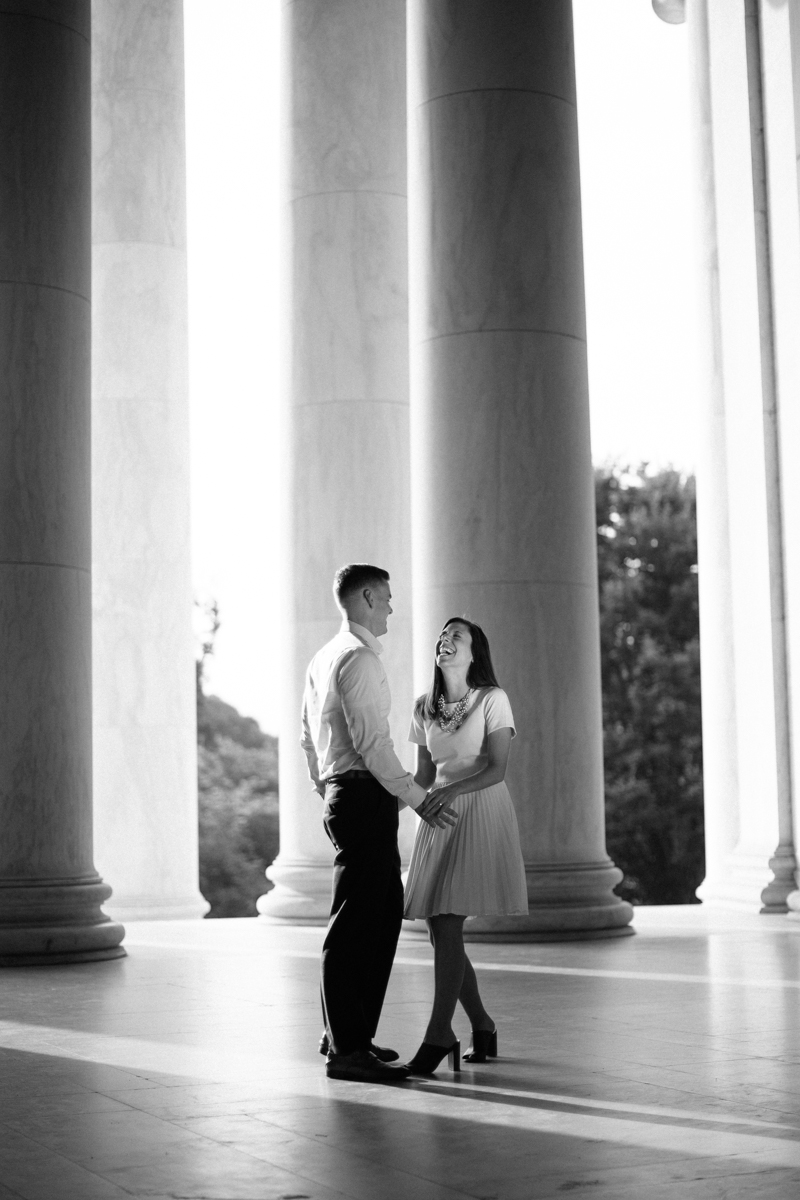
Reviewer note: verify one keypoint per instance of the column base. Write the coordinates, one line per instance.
(47, 922)
(783, 864)
(567, 902)
(301, 896)
(793, 906)
(158, 908)
(752, 883)
(62, 959)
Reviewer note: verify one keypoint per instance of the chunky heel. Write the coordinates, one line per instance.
(484, 1045)
(428, 1057)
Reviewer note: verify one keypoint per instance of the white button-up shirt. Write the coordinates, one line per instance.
(346, 707)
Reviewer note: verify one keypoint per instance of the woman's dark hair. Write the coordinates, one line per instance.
(480, 673)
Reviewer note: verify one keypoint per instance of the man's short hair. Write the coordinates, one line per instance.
(354, 576)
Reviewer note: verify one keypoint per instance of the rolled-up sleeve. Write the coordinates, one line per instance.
(360, 678)
(310, 751)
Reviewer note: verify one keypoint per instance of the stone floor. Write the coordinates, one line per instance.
(663, 1065)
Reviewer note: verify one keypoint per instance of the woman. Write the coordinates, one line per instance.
(463, 729)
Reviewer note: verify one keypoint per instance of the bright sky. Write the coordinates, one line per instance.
(635, 148)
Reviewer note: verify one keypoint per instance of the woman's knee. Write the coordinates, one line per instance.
(446, 926)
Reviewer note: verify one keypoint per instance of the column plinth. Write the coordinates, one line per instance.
(502, 482)
(783, 865)
(50, 893)
(302, 893)
(567, 900)
(50, 922)
(744, 880)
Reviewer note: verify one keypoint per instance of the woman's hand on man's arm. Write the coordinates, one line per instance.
(434, 810)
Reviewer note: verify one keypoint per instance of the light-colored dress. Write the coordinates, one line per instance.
(473, 868)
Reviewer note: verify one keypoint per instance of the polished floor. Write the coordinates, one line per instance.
(662, 1065)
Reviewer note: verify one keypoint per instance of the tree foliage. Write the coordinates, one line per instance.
(238, 807)
(647, 556)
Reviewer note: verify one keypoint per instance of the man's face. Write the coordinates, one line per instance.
(381, 607)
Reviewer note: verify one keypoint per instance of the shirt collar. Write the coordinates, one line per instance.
(363, 635)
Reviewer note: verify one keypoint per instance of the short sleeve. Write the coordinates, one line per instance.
(498, 712)
(416, 733)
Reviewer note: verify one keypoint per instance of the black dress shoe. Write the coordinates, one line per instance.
(428, 1057)
(384, 1053)
(364, 1067)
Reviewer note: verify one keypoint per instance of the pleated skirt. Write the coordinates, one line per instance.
(473, 868)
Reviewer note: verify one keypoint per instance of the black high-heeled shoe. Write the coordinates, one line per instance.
(484, 1045)
(428, 1057)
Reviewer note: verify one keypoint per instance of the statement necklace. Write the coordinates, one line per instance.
(449, 722)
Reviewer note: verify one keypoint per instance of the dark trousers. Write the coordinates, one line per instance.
(366, 910)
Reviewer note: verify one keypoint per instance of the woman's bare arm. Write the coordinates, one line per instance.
(426, 769)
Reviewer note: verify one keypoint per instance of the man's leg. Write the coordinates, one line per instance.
(342, 964)
(389, 920)
(366, 911)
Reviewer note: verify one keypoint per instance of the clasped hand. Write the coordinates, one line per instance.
(435, 809)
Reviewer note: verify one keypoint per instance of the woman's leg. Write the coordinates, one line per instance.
(448, 971)
(471, 1001)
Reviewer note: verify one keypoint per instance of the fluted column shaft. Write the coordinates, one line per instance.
(50, 893)
(145, 740)
(502, 486)
(741, 509)
(720, 766)
(346, 436)
(779, 46)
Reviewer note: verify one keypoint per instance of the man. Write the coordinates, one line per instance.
(355, 769)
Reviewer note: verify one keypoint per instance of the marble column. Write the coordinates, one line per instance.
(346, 417)
(720, 773)
(145, 747)
(751, 858)
(779, 45)
(502, 484)
(50, 892)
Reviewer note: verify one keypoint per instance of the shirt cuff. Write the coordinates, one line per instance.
(415, 796)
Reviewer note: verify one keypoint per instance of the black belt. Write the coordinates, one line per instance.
(354, 774)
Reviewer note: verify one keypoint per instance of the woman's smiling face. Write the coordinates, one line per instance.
(454, 647)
